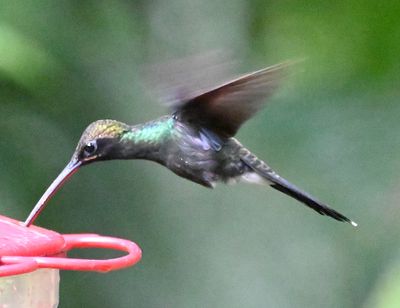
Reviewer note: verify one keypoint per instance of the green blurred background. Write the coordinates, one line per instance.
(333, 129)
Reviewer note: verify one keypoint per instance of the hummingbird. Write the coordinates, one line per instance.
(195, 141)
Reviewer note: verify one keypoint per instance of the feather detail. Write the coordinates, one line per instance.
(284, 186)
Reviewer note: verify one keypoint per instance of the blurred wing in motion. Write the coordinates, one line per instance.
(176, 81)
(225, 108)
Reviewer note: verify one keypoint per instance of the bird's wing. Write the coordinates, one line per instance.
(225, 108)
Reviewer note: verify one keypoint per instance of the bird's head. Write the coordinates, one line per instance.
(99, 141)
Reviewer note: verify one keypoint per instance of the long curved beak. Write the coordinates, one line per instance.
(68, 171)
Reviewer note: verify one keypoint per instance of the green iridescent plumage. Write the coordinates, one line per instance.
(150, 132)
(195, 142)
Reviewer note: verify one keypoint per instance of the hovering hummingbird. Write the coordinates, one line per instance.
(196, 141)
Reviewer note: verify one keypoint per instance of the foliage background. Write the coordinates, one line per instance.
(333, 129)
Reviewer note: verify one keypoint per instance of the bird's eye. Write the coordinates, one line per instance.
(90, 148)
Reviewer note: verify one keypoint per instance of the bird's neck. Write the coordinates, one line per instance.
(143, 141)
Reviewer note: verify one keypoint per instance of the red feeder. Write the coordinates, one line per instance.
(40, 254)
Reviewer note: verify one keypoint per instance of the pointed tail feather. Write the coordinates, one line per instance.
(286, 187)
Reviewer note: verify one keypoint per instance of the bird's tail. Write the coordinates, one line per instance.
(279, 183)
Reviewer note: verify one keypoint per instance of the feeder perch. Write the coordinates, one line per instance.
(30, 260)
